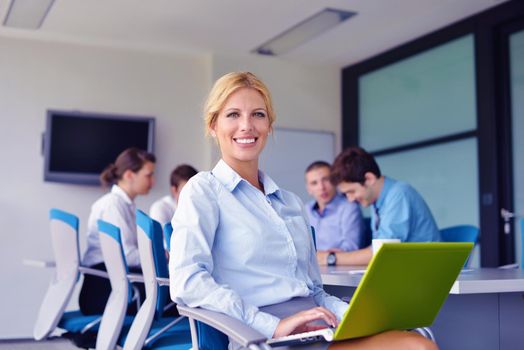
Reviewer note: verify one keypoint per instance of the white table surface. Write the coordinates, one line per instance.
(470, 281)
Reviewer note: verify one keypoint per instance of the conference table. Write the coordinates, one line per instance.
(484, 310)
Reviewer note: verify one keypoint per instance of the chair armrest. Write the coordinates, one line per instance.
(91, 271)
(82, 269)
(233, 328)
(163, 281)
(135, 277)
(39, 263)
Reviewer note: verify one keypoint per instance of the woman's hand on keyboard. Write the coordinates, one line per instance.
(302, 321)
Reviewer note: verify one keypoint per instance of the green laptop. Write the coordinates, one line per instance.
(404, 287)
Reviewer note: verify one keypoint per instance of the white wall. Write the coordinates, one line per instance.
(36, 76)
(305, 97)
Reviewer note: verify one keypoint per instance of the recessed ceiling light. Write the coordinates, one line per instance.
(27, 14)
(304, 31)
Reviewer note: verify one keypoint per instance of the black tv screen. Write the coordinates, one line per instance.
(79, 145)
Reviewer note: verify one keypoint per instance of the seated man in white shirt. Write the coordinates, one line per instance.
(163, 209)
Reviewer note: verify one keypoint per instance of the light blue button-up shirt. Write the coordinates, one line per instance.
(339, 226)
(401, 212)
(235, 249)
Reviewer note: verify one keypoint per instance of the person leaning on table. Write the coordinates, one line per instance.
(398, 210)
(241, 245)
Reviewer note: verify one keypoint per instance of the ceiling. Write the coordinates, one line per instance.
(236, 27)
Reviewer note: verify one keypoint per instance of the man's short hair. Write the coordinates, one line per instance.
(182, 173)
(317, 164)
(352, 165)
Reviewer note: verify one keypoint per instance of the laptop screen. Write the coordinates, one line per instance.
(404, 287)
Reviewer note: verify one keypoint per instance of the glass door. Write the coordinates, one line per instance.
(511, 138)
(516, 83)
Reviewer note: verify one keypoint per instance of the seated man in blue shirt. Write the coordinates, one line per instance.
(337, 222)
(399, 211)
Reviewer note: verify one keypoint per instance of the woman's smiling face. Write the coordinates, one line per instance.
(242, 127)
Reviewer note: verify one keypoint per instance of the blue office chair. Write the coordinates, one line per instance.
(168, 230)
(461, 233)
(114, 318)
(211, 330)
(208, 337)
(222, 325)
(151, 329)
(52, 315)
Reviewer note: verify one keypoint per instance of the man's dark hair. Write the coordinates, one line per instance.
(317, 164)
(182, 173)
(352, 165)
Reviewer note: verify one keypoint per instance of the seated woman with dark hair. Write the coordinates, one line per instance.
(131, 175)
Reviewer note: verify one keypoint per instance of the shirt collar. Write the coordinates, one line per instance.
(270, 187)
(313, 205)
(383, 193)
(121, 193)
(230, 179)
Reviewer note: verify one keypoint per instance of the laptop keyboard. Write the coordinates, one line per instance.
(325, 334)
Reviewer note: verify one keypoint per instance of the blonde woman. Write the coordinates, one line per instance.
(241, 245)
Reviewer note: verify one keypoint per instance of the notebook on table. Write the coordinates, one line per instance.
(404, 287)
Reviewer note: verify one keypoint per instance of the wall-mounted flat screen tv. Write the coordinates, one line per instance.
(79, 145)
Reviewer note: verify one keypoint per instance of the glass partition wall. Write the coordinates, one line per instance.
(426, 98)
(435, 113)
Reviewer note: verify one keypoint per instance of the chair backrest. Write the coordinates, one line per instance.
(151, 250)
(161, 266)
(460, 233)
(168, 230)
(208, 337)
(64, 241)
(115, 310)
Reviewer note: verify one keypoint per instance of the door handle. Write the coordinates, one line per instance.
(506, 216)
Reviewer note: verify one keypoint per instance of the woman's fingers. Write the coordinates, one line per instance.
(300, 322)
(312, 327)
(318, 313)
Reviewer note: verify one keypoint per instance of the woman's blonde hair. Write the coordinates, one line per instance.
(225, 87)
